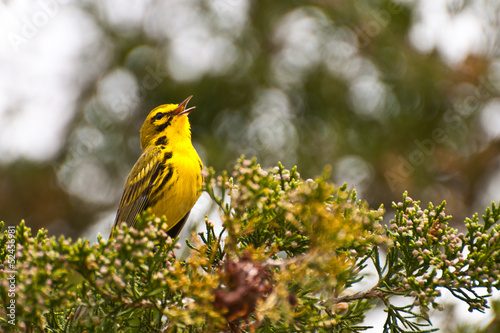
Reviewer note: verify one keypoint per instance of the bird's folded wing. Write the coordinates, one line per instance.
(138, 186)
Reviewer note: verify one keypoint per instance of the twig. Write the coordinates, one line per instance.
(367, 294)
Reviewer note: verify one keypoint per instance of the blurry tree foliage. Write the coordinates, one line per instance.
(292, 257)
(312, 83)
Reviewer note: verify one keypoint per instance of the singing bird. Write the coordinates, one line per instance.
(167, 176)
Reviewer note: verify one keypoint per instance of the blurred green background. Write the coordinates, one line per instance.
(394, 95)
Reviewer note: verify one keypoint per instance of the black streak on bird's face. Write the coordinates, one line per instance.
(166, 124)
(162, 120)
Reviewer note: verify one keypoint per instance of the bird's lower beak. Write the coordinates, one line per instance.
(181, 109)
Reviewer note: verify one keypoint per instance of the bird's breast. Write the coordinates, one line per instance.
(179, 194)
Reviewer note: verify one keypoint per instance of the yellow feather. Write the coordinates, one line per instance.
(167, 176)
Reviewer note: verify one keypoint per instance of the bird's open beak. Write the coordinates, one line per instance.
(181, 109)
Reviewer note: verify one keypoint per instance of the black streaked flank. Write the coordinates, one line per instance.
(161, 168)
(159, 171)
(162, 140)
(168, 176)
(160, 192)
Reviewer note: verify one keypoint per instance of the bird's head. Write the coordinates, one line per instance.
(167, 123)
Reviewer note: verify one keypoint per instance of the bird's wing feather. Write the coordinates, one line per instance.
(138, 186)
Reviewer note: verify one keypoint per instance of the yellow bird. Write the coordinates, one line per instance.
(167, 176)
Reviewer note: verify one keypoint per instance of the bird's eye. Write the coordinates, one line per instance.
(158, 116)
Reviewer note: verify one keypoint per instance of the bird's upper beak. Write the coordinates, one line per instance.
(181, 109)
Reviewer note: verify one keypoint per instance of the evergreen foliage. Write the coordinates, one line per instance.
(288, 254)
